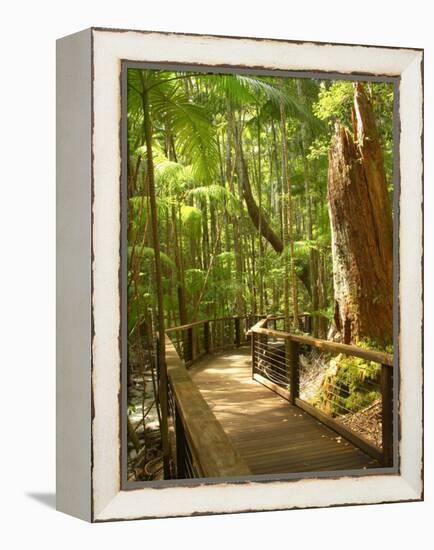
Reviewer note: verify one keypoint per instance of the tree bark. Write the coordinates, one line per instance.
(162, 390)
(361, 222)
(313, 253)
(237, 237)
(182, 303)
(261, 244)
(255, 214)
(289, 237)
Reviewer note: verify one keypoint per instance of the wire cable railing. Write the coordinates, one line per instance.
(359, 409)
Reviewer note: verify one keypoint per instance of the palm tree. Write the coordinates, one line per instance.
(157, 98)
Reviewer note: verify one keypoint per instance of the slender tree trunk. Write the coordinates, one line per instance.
(313, 253)
(289, 225)
(213, 219)
(254, 286)
(205, 234)
(361, 223)
(159, 285)
(279, 209)
(238, 252)
(286, 286)
(132, 177)
(322, 295)
(211, 262)
(261, 244)
(223, 179)
(180, 271)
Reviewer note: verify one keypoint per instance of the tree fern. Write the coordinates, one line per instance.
(147, 253)
(220, 195)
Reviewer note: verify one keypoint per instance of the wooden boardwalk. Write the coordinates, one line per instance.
(270, 434)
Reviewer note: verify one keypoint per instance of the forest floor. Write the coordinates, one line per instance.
(311, 375)
(366, 422)
(145, 464)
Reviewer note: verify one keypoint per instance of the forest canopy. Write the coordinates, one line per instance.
(236, 157)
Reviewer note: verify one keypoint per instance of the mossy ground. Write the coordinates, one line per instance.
(350, 384)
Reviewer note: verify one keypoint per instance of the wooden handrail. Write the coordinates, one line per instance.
(325, 345)
(186, 327)
(264, 322)
(193, 345)
(211, 449)
(259, 324)
(210, 320)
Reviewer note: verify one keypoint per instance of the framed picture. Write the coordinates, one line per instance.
(239, 246)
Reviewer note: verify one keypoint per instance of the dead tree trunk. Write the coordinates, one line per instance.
(361, 222)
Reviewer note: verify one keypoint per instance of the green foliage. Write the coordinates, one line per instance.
(170, 105)
(302, 248)
(191, 219)
(219, 195)
(226, 259)
(139, 210)
(193, 131)
(196, 120)
(350, 384)
(147, 254)
(194, 280)
(335, 101)
(169, 175)
(319, 148)
(242, 89)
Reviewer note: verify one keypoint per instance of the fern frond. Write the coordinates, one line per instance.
(219, 194)
(147, 253)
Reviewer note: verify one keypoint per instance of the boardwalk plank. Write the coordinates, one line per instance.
(270, 434)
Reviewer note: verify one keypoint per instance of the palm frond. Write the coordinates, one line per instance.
(219, 194)
(139, 205)
(191, 127)
(191, 220)
(147, 253)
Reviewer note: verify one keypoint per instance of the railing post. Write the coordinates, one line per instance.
(206, 342)
(294, 352)
(252, 348)
(190, 346)
(387, 414)
(180, 447)
(237, 332)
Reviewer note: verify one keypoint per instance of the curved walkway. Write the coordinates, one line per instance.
(272, 436)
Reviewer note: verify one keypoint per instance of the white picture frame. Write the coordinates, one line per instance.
(89, 162)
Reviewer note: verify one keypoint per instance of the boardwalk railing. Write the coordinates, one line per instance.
(276, 364)
(194, 340)
(200, 447)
